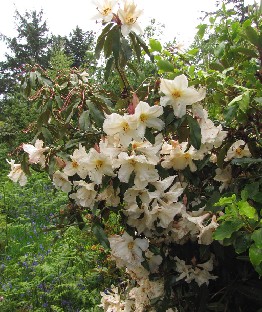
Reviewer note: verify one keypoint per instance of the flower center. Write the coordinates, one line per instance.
(75, 164)
(239, 150)
(106, 11)
(130, 20)
(176, 94)
(130, 245)
(125, 126)
(143, 117)
(99, 164)
(187, 156)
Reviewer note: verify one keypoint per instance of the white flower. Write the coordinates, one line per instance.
(128, 250)
(153, 261)
(77, 166)
(147, 116)
(238, 150)
(61, 181)
(111, 300)
(105, 9)
(199, 272)
(128, 16)
(179, 158)
(85, 195)
(36, 153)
(98, 165)
(17, 174)
(144, 171)
(178, 95)
(124, 126)
(110, 196)
(225, 176)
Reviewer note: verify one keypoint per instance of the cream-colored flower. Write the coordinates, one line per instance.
(224, 176)
(110, 196)
(153, 261)
(178, 95)
(111, 300)
(77, 165)
(61, 181)
(36, 153)
(127, 249)
(85, 194)
(238, 150)
(147, 117)
(105, 9)
(123, 126)
(98, 165)
(129, 16)
(145, 172)
(179, 158)
(17, 174)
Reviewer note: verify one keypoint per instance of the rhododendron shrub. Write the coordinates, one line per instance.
(159, 163)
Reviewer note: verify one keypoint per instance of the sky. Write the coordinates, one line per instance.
(179, 16)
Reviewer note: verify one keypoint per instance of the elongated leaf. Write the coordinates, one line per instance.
(96, 114)
(101, 40)
(257, 237)
(84, 121)
(255, 255)
(195, 132)
(253, 36)
(226, 229)
(100, 235)
(47, 135)
(108, 68)
(165, 66)
(136, 46)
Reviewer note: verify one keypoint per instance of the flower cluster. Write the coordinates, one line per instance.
(144, 181)
(126, 15)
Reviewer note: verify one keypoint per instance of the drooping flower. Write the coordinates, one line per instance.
(36, 153)
(105, 9)
(225, 176)
(17, 174)
(178, 95)
(129, 16)
(111, 300)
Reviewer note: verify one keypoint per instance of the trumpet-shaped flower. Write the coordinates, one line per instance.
(76, 165)
(224, 176)
(238, 150)
(105, 9)
(129, 16)
(60, 180)
(36, 153)
(127, 249)
(17, 174)
(98, 165)
(85, 195)
(123, 126)
(147, 116)
(178, 95)
(144, 171)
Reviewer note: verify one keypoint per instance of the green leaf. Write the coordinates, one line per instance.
(201, 30)
(226, 229)
(84, 121)
(100, 235)
(101, 39)
(195, 132)
(255, 255)
(144, 47)
(247, 210)
(216, 66)
(108, 68)
(96, 114)
(253, 36)
(246, 160)
(222, 153)
(242, 242)
(257, 237)
(47, 135)
(223, 201)
(155, 45)
(165, 66)
(246, 51)
(136, 46)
